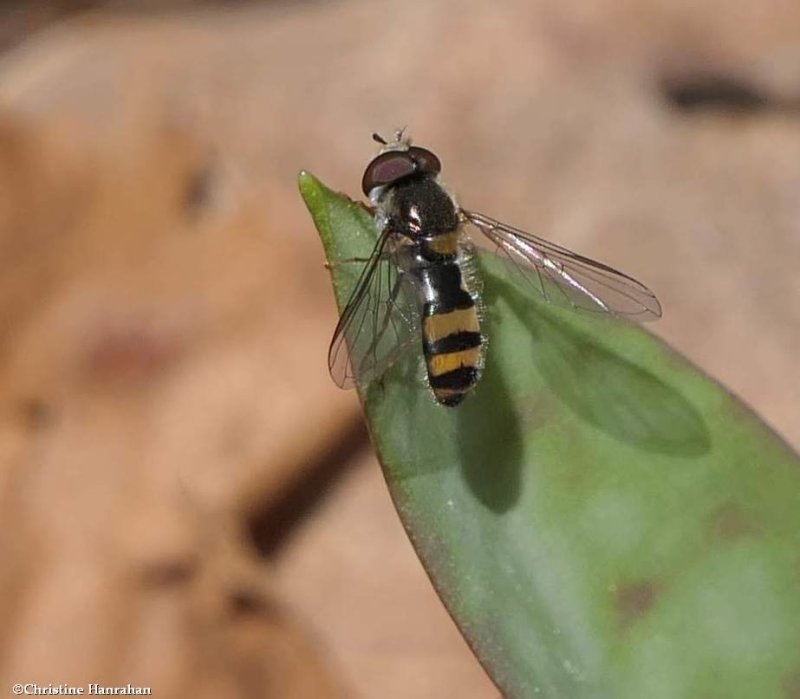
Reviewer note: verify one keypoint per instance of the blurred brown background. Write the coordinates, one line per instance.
(187, 502)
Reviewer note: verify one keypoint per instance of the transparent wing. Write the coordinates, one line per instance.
(378, 324)
(566, 278)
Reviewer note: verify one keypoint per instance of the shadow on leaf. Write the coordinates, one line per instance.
(605, 389)
(490, 441)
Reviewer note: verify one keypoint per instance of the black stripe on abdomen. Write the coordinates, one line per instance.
(460, 379)
(444, 284)
(455, 342)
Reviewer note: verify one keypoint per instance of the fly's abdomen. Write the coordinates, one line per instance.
(451, 335)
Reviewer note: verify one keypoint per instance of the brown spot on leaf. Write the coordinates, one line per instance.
(731, 523)
(634, 600)
(791, 685)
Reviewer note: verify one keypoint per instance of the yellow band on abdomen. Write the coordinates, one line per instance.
(440, 325)
(440, 364)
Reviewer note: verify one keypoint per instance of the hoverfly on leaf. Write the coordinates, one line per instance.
(420, 284)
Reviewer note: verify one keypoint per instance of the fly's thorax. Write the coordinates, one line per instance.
(416, 207)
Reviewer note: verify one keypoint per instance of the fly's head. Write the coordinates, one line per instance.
(397, 160)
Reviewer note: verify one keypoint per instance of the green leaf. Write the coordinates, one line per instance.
(601, 519)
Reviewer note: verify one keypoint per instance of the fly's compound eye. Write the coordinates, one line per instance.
(387, 168)
(426, 161)
(394, 165)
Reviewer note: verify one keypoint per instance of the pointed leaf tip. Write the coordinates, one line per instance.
(600, 518)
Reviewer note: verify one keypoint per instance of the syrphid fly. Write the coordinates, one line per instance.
(419, 284)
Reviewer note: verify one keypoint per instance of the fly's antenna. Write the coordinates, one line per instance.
(400, 142)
